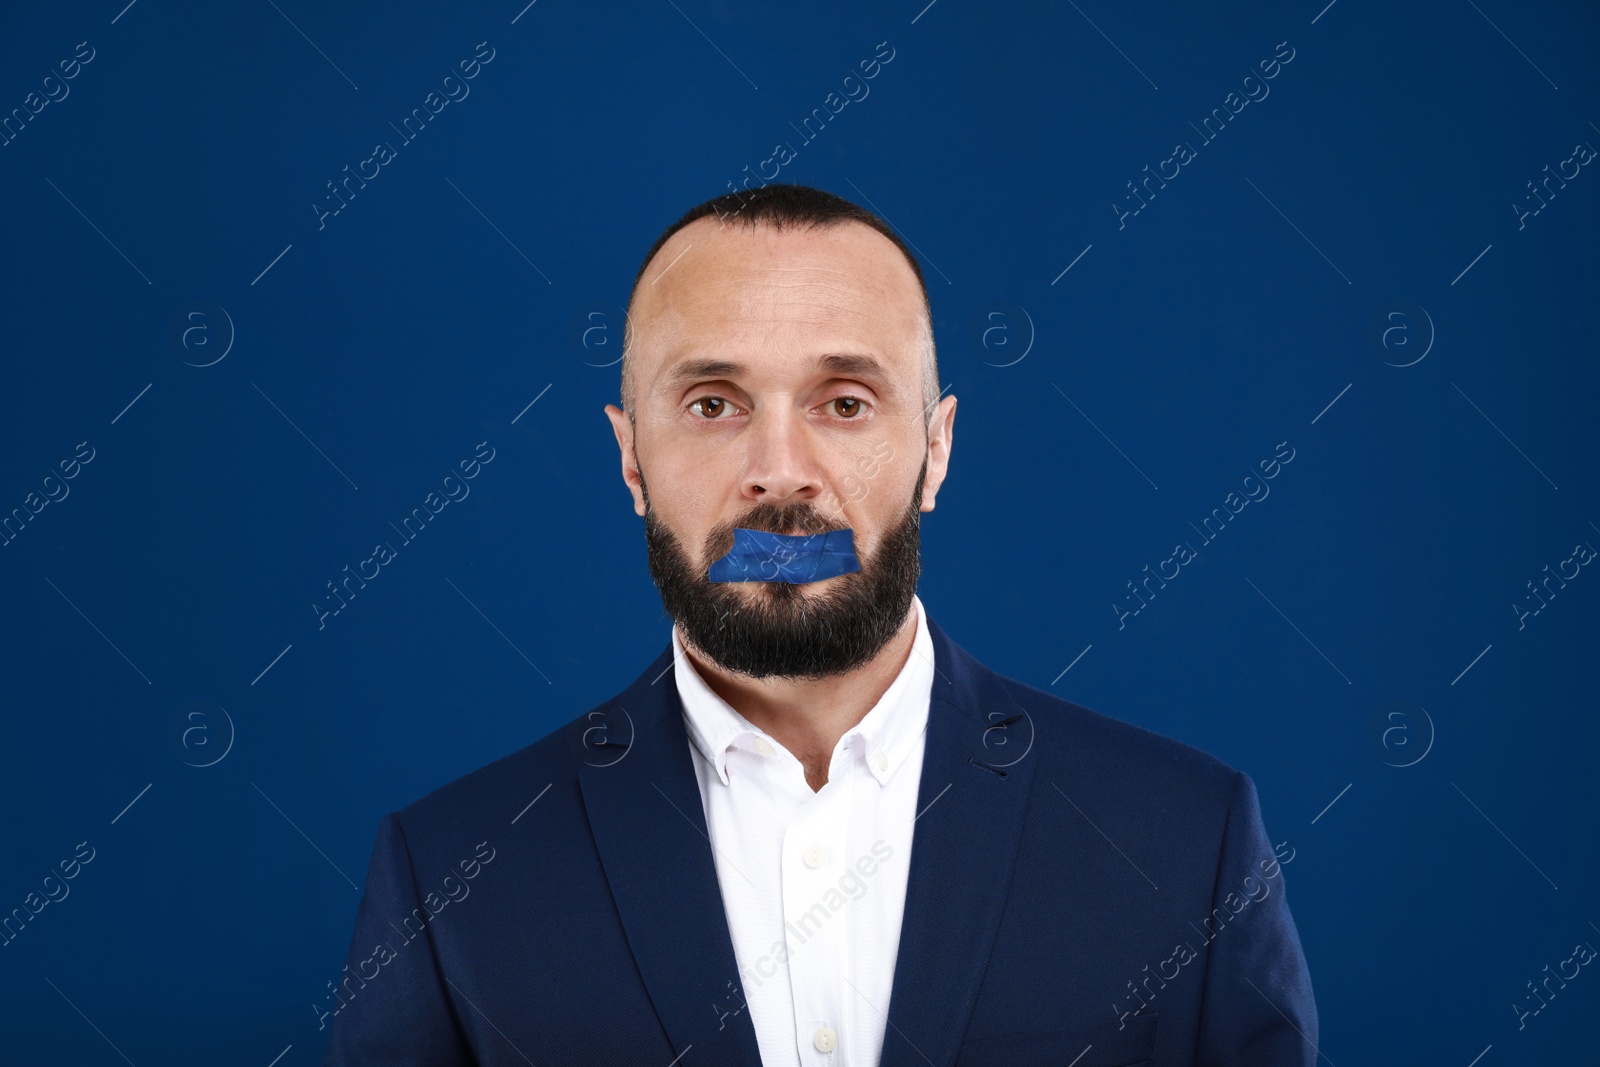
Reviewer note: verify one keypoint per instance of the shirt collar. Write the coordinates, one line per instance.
(883, 738)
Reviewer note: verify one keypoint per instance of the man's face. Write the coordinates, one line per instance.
(778, 386)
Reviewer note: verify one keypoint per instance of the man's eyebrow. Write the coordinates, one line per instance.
(851, 364)
(695, 369)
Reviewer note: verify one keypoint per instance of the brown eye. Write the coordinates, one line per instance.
(710, 406)
(849, 406)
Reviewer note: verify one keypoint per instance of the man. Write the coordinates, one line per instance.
(815, 831)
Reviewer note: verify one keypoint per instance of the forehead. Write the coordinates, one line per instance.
(746, 292)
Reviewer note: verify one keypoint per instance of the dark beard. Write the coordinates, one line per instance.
(782, 630)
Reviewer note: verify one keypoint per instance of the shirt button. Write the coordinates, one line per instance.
(882, 761)
(815, 856)
(825, 1039)
(762, 747)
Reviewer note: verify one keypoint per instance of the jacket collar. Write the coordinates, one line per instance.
(888, 731)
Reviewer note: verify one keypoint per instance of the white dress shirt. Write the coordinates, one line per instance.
(814, 883)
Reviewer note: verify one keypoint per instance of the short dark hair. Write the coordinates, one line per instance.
(784, 206)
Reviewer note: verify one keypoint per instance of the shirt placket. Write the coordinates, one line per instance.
(814, 848)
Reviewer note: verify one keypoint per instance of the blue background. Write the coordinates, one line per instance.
(160, 614)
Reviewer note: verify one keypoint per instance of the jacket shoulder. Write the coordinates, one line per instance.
(1120, 749)
(492, 796)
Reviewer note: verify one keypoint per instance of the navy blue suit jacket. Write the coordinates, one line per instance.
(1080, 891)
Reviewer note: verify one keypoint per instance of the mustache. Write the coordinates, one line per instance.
(799, 518)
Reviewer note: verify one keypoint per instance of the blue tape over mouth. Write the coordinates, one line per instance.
(763, 556)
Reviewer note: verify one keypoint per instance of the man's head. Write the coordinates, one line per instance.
(779, 374)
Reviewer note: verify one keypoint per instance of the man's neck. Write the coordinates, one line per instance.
(807, 716)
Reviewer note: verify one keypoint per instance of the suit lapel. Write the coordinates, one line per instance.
(649, 824)
(977, 771)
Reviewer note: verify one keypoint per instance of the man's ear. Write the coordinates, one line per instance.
(941, 438)
(622, 426)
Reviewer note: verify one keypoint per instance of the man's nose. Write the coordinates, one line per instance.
(780, 464)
